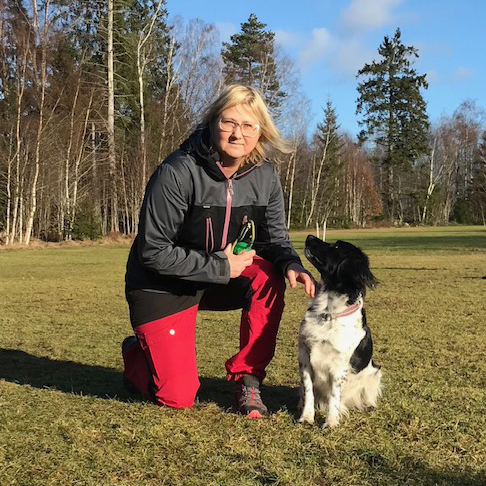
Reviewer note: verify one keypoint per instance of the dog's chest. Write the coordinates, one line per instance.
(322, 329)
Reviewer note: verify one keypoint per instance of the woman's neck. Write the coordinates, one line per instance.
(229, 167)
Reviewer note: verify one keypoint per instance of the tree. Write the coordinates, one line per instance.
(326, 165)
(478, 189)
(361, 198)
(456, 152)
(250, 59)
(394, 114)
(298, 119)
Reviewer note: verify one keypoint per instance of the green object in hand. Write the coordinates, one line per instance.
(245, 239)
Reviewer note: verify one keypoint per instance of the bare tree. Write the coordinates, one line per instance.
(144, 52)
(113, 196)
(361, 198)
(197, 64)
(434, 177)
(40, 126)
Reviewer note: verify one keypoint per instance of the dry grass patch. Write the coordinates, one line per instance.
(65, 419)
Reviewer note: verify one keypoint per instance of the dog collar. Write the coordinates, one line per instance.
(350, 310)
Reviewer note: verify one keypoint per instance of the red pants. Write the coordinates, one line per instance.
(163, 363)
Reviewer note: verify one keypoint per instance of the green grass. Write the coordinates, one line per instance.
(65, 419)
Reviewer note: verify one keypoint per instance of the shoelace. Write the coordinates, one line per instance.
(250, 393)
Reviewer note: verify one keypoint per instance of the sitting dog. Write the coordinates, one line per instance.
(335, 346)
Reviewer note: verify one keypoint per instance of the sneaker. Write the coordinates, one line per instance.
(127, 344)
(247, 398)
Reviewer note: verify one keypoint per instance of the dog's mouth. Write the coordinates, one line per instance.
(313, 259)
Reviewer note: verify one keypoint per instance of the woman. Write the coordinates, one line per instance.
(181, 260)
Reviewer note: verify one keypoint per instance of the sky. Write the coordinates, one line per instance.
(330, 40)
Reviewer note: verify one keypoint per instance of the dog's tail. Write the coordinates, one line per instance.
(363, 389)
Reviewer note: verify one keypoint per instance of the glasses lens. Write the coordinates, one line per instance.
(248, 130)
(226, 125)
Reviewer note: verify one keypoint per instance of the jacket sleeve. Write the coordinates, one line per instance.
(167, 200)
(272, 239)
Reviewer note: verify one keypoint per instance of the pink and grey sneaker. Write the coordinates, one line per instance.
(248, 400)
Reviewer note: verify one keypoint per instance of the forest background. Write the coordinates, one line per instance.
(95, 93)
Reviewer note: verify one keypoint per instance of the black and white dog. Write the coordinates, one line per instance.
(335, 346)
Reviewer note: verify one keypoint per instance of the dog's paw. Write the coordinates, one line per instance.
(330, 424)
(306, 419)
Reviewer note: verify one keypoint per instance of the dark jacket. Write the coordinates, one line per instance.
(191, 211)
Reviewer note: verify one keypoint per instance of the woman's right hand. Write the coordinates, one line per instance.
(239, 262)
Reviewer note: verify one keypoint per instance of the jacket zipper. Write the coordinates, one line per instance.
(209, 235)
(227, 217)
(229, 200)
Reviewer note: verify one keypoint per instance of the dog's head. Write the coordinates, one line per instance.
(344, 267)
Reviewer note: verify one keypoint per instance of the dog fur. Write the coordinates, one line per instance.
(335, 345)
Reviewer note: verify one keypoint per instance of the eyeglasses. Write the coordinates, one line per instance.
(247, 129)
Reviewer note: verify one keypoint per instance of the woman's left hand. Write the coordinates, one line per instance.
(297, 273)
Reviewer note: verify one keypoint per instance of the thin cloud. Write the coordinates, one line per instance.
(287, 39)
(367, 15)
(351, 55)
(432, 77)
(226, 30)
(316, 48)
(462, 73)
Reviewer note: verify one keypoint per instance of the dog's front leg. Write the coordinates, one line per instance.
(306, 390)
(334, 404)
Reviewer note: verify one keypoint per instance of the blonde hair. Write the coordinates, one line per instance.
(237, 94)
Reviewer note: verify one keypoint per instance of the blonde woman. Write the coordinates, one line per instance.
(182, 261)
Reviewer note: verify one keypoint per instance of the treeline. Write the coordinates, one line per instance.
(95, 93)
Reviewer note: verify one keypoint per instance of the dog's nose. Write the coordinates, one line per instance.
(310, 239)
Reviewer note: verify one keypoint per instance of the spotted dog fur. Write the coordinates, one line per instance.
(335, 345)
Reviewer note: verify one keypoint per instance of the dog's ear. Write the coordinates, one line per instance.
(356, 273)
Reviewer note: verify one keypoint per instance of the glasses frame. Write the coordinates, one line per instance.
(238, 125)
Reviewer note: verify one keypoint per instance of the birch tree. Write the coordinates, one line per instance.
(326, 160)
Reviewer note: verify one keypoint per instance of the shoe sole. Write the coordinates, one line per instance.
(254, 414)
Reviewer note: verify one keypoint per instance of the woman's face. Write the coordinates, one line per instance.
(229, 140)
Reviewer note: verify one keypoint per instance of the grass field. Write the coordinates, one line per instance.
(65, 419)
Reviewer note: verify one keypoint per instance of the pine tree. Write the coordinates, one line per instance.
(250, 59)
(394, 113)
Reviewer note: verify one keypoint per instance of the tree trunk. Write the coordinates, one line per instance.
(21, 69)
(95, 175)
(66, 200)
(74, 200)
(316, 185)
(33, 189)
(291, 187)
(432, 183)
(113, 196)
(141, 64)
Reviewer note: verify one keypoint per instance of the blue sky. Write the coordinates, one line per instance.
(329, 40)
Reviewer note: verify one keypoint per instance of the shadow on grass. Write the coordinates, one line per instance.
(411, 471)
(82, 379)
(67, 376)
(220, 391)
